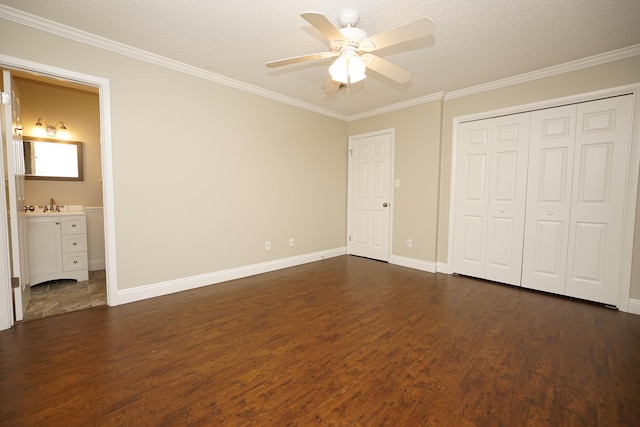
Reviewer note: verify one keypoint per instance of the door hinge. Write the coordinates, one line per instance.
(349, 238)
(350, 153)
(5, 98)
(15, 282)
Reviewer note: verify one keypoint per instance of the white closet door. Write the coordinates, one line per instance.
(472, 189)
(507, 190)
(491, 198)
(549, 199)
(603, 132)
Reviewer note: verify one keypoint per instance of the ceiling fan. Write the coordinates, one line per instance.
(353, 49)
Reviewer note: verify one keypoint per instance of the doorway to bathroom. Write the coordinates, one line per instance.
(62, 115)
(76, 102)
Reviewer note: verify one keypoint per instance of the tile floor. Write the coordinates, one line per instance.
(63, 296)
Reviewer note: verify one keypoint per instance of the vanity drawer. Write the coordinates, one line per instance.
(74, 243)
(73, 261)
(74, 224)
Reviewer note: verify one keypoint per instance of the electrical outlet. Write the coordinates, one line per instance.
(409, 243)
(291, 242)
(267, 246)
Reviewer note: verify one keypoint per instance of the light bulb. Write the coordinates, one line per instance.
(356, 69)
(338, 70)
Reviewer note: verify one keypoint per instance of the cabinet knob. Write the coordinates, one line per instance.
(75, 262)
(73, 225)
(75, 243)
(57, 222)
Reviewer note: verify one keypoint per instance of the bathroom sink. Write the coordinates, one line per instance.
(64, 210)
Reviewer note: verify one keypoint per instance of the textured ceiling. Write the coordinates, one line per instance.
(476, 41)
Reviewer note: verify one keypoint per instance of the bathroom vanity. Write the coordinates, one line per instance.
(57, 246)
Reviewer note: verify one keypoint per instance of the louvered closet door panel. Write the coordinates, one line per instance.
(600, 169)
(548, 199)
(471, 198)
(506, 205)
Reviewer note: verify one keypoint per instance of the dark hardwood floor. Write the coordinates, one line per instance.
(341, 342)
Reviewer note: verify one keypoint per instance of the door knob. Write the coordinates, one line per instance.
(384, 205)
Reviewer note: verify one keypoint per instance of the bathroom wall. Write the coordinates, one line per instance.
(79, 110)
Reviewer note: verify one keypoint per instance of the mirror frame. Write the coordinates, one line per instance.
(78, 145)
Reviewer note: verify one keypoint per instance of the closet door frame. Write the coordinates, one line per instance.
(631, 181)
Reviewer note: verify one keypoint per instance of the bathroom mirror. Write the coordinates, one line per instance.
(52, 159)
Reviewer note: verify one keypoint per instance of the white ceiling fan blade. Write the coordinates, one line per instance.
(386, 68)
(331, 87)
(302, 58)
(421, 28)
(322, 24)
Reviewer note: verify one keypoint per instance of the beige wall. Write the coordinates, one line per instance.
(80, 112)
(425, 131)
(416, 165)
(205, 174)
(418, 139)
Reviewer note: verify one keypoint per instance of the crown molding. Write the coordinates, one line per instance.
(65, 31)
(578, 64)
(438, 96)
(55, 28)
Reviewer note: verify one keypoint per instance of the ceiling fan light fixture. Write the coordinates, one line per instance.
(348, 68)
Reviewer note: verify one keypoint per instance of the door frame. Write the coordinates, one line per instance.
(631, 182)
(104, 94)
(392, 133)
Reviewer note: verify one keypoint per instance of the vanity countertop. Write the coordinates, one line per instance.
(64, 210)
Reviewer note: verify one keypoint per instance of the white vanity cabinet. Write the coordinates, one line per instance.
(57, 247)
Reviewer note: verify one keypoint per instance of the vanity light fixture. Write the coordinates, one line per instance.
(47, 130)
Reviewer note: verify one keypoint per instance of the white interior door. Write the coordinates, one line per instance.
(472, 197)
(603, 134)
(507, 190)
(15, 184)
(549, 199)
(370, 195)
(6, 297)
(490, 198)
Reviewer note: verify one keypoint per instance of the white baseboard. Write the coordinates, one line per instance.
(172, 286)
(634, 306)
(413, 263)
(444, 268)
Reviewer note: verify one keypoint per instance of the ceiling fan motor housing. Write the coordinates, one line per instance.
(352, 37)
